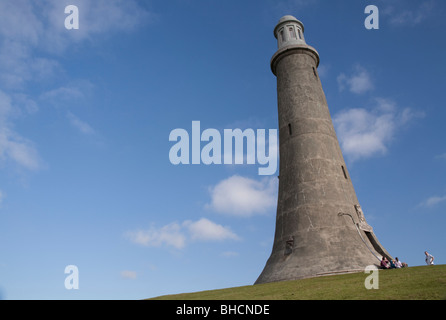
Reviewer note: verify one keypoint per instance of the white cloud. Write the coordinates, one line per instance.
(14, 147)
(358, 82)
(28, 105)
(27, 25)
(64, 94)
(18, 149)
(170, 235)
(67, 96)
(433, 201)
(177, 235)
(42, 23)
(99, 17)
(32, 38)
(18, 21)
(31, 32)
(21, 31)
(403, 15)
(80, 125)
(205, 229)
(18, 66)
(127, 274)
(363, 133)
(242, 196)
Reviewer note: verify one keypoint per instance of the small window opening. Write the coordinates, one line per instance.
(289, 129)
(300, 34)
(282, 37)
(292, 32)
(289, 244)
(345, 173)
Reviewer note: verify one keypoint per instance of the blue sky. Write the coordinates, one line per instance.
(85, 118)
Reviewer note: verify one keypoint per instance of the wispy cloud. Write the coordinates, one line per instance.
(33, 37)
(433, 201)
(63, 94)
(441, 156)
(80, 125)
(364, 133)
(127, 274)
(22, 20)
(21, 32)
(177, 235)
(240, 196)
(27, 25)
(18, 149)
(96, 18)
(358, 82)
(13, 147)
(401, 14)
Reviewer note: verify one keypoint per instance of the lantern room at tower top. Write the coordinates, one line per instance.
(289, 31)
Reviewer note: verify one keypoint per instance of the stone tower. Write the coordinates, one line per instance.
(320, 227)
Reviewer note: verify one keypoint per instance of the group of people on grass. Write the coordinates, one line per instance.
(392, 264)
(396, 264)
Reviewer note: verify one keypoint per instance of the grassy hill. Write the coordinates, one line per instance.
(413, 283)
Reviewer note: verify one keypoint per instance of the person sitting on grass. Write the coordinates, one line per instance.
(399, 264)
(385, 263)
(392, 264)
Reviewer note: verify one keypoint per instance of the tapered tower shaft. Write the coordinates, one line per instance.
(320, 228)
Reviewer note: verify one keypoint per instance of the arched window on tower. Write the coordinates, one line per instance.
(292, 32)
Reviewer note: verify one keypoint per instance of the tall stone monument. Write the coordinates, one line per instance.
(320, 227)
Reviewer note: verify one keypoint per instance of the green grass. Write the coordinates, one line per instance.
(414, 283)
